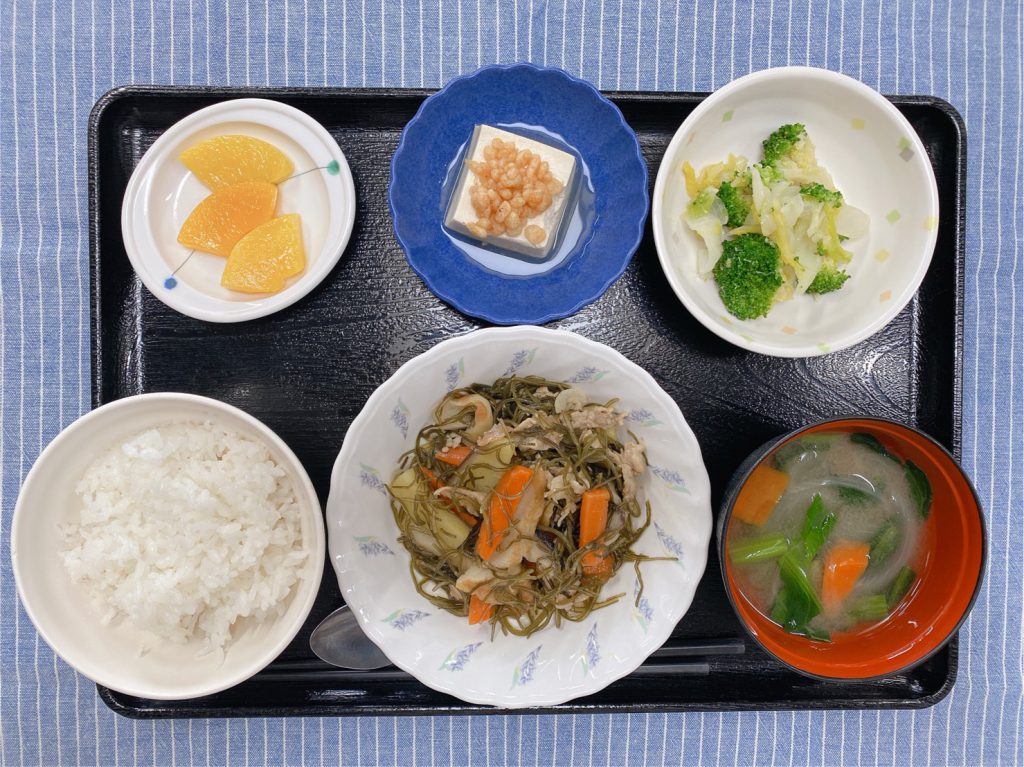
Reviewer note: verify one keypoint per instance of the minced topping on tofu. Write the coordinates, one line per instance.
(512, 186)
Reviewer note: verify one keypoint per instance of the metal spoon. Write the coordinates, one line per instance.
(340, 641)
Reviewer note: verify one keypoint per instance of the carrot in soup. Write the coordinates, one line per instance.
(760, 494)
(593, 522)
(844, 565)
(498, 517)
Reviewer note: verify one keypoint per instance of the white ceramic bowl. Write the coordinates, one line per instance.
(877, 161)
(555, 664)
(61, 609)
(162, 192)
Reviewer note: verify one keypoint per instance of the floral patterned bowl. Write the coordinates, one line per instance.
(555, 664)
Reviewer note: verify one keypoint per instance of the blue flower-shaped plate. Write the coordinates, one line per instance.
(533, 99)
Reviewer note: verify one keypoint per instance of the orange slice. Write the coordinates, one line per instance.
(225, 160)
(227, 215)
(266, 257)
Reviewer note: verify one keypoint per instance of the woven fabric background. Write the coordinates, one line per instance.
(58, 56)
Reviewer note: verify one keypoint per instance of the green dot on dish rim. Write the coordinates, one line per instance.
(333, 167)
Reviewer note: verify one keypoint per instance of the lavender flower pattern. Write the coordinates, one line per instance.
(520, 358)
(673, 479)
(456, 659)
(642, 417)
(592, 656)
(642, 612)
(523, 673)
(370, 477)
(404, 618)
(454, 374)
(371, 547)
(672, 546)
(586, 374)
(400, 418)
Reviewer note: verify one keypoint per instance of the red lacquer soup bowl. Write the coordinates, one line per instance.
(949, 564)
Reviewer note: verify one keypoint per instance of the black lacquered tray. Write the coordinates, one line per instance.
(307, 371)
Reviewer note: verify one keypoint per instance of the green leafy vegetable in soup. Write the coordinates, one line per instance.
(840, 548)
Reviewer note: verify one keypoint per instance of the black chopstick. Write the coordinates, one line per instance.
(685, 648)
(297, 669)
(661, 669)
(390, 673)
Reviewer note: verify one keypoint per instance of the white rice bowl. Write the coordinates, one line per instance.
(189, 598)
(184, 529)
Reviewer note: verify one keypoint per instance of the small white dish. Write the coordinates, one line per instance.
(556, 664)
(162, 192)
(878, 163)
(61, 609)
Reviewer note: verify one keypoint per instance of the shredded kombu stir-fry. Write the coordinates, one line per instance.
(488, 547)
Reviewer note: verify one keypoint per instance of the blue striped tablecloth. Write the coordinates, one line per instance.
(58, 57)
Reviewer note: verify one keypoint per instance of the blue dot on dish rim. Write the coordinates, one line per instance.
(519, 94)
(170, 283)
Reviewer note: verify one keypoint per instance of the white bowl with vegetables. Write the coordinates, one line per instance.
(522, 511)
(795, 212)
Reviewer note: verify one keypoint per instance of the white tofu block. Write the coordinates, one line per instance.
(460, 209)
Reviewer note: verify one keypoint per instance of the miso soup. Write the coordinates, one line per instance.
(826, 534)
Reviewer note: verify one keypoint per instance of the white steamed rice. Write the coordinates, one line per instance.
(183, 530)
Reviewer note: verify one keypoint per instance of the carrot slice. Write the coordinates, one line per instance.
(436, 484)
(479, 610)
(760, 494)
(844, 564)
(498, 517)
(593, 522)
(454, 456)
(465, 516)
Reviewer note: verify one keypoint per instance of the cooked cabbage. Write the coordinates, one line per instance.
(787, 197)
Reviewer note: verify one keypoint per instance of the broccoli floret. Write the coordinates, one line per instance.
(822, 194)
(748, 275)
(827, 279)
(782, 142)
(735, 207)
(769, 174)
